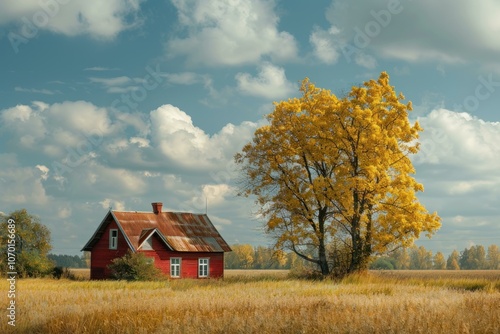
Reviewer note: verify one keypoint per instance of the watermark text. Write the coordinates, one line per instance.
(11, 273)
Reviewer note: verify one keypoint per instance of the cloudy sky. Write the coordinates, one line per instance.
(121, 103)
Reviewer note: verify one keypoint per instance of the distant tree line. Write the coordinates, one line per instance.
(418, 258)
(68, 261)
(245, 256)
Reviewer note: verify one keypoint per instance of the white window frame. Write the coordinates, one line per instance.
(175, 268)
(113, 240)
(203, 267)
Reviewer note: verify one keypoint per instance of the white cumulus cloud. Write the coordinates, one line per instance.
(453, 31)
(326, 44)
(99, 19)
(230, 32)
(458, 138)
(459, 167)
(185, 144)
(113, 204)
(271, 83)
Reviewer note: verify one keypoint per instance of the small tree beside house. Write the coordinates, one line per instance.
(134, 267)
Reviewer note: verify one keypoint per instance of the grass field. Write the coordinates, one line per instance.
(263, 302)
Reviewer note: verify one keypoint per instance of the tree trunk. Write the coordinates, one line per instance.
(322, 259)
(367, 248)
(357, 258)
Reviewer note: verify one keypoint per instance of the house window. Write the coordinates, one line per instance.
(113, 239)
(202, 267)
(175, 267)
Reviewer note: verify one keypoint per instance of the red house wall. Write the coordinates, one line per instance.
(189, 260)
(101, 257)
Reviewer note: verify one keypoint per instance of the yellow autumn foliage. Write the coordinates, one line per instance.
(338, 168)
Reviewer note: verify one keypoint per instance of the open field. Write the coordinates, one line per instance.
(81, 273)
(438, 274)
(258, 302)
(392, 274)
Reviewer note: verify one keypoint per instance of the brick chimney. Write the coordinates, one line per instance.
(157, 207)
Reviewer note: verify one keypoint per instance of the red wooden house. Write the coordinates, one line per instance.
(182, 245)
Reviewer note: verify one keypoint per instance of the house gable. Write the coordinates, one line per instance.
(103, 229)
(102, 253)
(146, 239)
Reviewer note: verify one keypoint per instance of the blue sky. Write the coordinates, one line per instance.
(122, 103)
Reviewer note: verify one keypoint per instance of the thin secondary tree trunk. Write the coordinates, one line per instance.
(322, 259)
(357, 246)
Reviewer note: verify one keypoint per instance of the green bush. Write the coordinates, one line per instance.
(134, 267)
(382, 264)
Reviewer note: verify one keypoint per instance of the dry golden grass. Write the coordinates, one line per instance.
(270, 273)
(81, 273)
(441, 274)
(371, 303)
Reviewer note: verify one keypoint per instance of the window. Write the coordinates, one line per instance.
(175, 267)
(202, 267)
(113, 239)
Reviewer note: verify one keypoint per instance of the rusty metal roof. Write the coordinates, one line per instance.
(181, 231)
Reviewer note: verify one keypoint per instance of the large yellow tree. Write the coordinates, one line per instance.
(331, 169)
